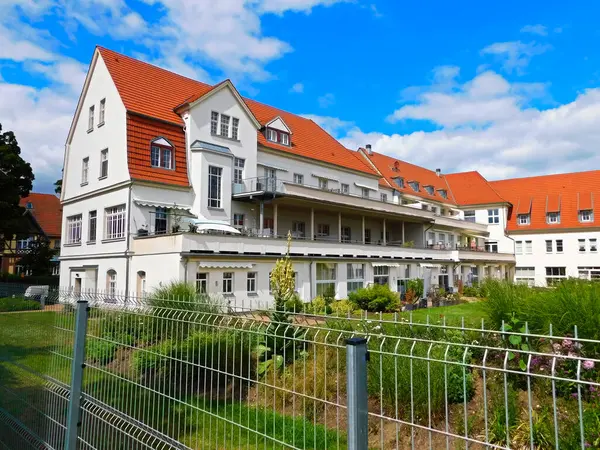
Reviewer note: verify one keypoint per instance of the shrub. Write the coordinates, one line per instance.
(375, 298)
(294, 304)
(319, 305)
(417, 286)
(100, 351)
(471, 291)
(18, 304)
(342, 307)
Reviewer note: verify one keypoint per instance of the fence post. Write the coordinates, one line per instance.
(78, 363)
(356, 379)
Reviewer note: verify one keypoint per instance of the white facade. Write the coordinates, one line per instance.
(336, 215)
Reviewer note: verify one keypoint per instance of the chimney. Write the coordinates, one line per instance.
(438, 172)
(369, 149)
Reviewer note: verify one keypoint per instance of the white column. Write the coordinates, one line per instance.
(363, 230)
(261, 217)
(339, 227)
(274, 219)
(312, 224)
(384, 230)
(403, 241)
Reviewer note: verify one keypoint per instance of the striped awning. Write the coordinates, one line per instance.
(155, 204)
(384, 264)
(224, 265)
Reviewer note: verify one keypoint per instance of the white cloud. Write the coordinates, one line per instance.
(540, 30)
(297, 88)
(13, 48)
(281, 6)
(516, 55)
(326, 100)
(334, 126)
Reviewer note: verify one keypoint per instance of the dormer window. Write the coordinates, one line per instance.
(586, 215)
(279, 137)
(399, 182)
(161, 154)
(443, 193)
(553, 218)
(414, 185)
(524, 219)
(429, 189)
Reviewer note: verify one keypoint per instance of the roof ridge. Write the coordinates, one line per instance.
(491, 187)
(550, 175)
(433, 172)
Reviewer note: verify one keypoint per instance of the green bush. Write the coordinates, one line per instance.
(294, 304)
(417, 286)
(342, 308)
(100, 351)
(18, 304)
(471, 291)
(319, 305)
(375, 298)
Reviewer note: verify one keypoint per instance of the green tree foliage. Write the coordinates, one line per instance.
(38, 258)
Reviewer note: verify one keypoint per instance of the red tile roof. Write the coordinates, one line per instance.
(392, 168)
(470, 188)
(154, 92)
(47, 212)
(577, 191)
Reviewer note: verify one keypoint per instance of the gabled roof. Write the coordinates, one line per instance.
(542, 192)
(156, 93)
(46, 210)
(470, 188)
(391, 168)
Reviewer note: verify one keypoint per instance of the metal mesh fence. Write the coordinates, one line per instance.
(196, 373)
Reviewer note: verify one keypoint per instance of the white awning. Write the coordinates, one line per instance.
(224, 265)
(271, 166)
(431, 266)
(322, 175)
(385, 264)
(204, 225)
(154, 204)
(365, 186)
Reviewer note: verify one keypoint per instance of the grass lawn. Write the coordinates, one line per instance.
(472, 312)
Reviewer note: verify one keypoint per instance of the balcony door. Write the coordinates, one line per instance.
(270, 179)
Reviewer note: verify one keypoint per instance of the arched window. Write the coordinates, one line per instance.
(111, 284)
(141, 283)
(162, 154)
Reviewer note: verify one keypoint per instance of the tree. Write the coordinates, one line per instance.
(58, 186)
(16, 180)
(38, 258)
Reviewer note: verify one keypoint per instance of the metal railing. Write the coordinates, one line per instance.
(175, 373)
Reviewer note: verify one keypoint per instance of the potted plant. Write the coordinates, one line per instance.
(176, 226)
(143, 230)
(192, 228)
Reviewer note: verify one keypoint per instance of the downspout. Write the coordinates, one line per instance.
(185, 269)
(127, 255)
(310, 265)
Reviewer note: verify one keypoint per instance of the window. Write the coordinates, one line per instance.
(399, 182)
(491, 247)
(92, 226)
(414, 185)
(298, 229)
(285, 138)
(214, 186)
(493, 216)
(518, 247)
(56, 270)
(528, 247)
(346, 234)
(525, 275)
(553, 218)
(227, 282)
(111, 284)
(114, 222)
(430, 238)
(345, 188)
(383, 197)
(548, 246)
(323, 183)
(367, 235)
(523, 219)
(559, 246)
(271, 135)
(451, 241)
(235, 126)
(224, 125)
(104, 163)
(251, 282)
(365, 193)
(555, 275)
(298, 178)
(586, 215)
(470, 216)
(85, 166)
(326, 278)
(91, 119)
(322, 229)
(160, 221)
(429, 189)
(161, 156)
(581, 243)
(202, 282)
(593, 245)
(56, 243)
(214, 122)
(442, 238)
(381, 275)
(355, 277)
(101, 112)
(141, 283)
(443, 193)
(238, 220)
(238, 170)
(23, 244)
(74, 229)
(589, 273)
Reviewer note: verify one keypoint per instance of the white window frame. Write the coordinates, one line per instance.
(91, 118)
(271, 135)
(323, 230)
(383, 197)
(114, 222)
(323, 183)
(202, 282)
(586, 215)
(593, 243)
(355, 276)
(326, 277)
(491, 246)
(298, 178)
(85, 170)
(215, 193)
(559, 246)
(524, 219)
(227, 283)
(581, 245)
(493, 216)
(103, 163)
(214, 123)
(73, 230)
(251, 282)
(161, 157)
(92, 226)
(111, 283)
(285, 138)
(299, 228)
(555, 274)
(102, 112)
(235, 128)
(525, 275)
(549, 246)
(528, 247)
(518, 247)
(365, 193)
(238, 220)
(346, 234)
(238, 170)
(553, 218)
(381, 275)
(345, 188)
(470, 215)
(224, 129)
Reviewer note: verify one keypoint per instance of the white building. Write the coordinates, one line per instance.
(167, 178)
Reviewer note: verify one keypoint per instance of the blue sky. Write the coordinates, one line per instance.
(509, 89)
